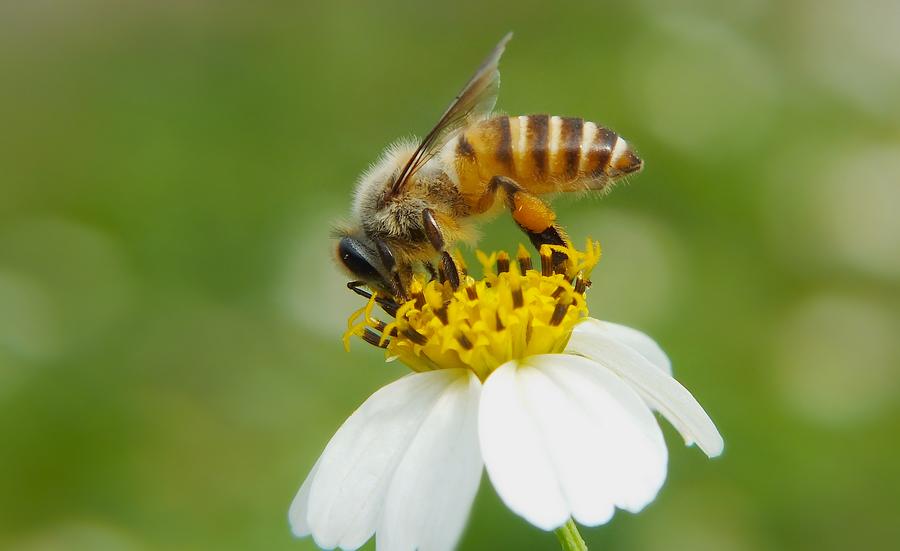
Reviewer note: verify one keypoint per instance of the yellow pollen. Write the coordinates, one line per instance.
(511, 313)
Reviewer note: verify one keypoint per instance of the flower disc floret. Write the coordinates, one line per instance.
(513, 312)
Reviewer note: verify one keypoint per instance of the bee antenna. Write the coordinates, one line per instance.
(355, 287)
(389, 305)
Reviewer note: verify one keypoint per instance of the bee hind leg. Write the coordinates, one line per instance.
(553, 235)
(533, 216)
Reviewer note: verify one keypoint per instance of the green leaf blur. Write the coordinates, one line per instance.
(171, 315)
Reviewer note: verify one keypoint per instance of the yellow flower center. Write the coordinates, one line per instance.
(513, 312)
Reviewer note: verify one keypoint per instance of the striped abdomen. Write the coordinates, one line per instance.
(542, 154)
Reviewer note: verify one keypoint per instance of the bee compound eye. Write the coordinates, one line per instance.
(357, 258)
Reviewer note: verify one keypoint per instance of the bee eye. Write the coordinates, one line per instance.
(359, 260)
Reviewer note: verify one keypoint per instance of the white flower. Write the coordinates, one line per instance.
(561, 435)
(509, 376)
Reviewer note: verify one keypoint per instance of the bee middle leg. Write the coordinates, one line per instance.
(433, 230)
(446, 272)
(532, 214)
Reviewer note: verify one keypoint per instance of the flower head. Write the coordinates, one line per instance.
(510, 314)
(509, 374)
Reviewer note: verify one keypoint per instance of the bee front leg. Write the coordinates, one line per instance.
(533, 216)
(390, 264)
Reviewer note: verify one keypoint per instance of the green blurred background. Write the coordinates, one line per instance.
(170, 315)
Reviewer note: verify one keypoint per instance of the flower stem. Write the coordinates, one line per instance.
(569, 537)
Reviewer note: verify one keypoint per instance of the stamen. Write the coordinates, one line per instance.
(515, 287)
(414, 336)
(524, 259)
(419, 297)
(546, 261)
(502, 262)
(464, 341)
(471, 291)
(512, 313)
(518, 299)
(374, 339)
(441, 314)
(558, 314)
(580, 286)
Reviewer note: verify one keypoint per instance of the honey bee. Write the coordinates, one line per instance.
(420, 199)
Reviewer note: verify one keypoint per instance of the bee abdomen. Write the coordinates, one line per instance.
(543, 153)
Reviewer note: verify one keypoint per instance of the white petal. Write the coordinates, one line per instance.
(432, 492)
(346, 496)
(662, 392)
(300, 506)
(562, 436)
(638, 340)
(514, 455)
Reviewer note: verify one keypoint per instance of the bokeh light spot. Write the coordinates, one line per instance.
(852, 47)
(28, 325)
(737, 11)
(702, 519)
(71, 289)
(836, 206)
(857, 209)
(835, 360)
(703, 90)
(78, 536)
(313, 290)
(639, 266)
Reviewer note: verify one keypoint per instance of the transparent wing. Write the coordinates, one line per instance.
(476, 100)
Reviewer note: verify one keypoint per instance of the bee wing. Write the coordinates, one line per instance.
(476, 99)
